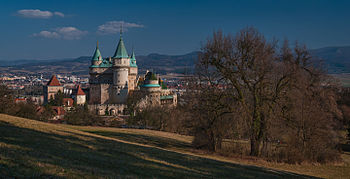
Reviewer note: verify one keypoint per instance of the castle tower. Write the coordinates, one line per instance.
(152, 87)
(120, 73)
(100, 79)
(132, 72)
(97, 58)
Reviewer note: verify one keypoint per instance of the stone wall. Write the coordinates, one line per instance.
(95, 94)
(107, 109)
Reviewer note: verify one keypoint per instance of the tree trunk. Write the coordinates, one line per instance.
(211, 142)
(218, 144)
(258, 129)
(254, 146)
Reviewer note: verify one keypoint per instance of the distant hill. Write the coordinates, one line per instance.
(159, 63)
(336, 60)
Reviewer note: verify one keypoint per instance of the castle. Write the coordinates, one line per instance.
(112, 78)
(111, 81)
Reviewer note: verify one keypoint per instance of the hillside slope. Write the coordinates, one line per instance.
(35, 149)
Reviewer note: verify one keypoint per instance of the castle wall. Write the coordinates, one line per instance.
(95, 94)
(107, 109)
(132, 82)
(106, 93)
(100, 70)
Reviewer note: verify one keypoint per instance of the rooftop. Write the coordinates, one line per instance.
(54, 81)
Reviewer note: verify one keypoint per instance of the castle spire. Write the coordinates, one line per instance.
(121, 52)
(97, 55)
(133, 54)
(121, 30)
(133, 59)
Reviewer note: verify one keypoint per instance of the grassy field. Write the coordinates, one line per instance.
(34, 149)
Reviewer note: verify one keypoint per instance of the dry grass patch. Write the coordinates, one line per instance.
(35, 149)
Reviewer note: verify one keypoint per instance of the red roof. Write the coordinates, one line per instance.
(68, 102)
(80, 91)
(18, 100)
(54, 81)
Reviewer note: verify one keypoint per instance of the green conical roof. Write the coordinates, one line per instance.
(133, 55)
(121, 50)
(133, 60)
(97, 55)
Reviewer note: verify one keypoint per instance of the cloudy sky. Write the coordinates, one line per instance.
(52, 29)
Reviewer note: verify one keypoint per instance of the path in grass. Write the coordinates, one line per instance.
(35, 149)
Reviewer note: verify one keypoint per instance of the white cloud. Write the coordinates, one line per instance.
(47, 34)
(59, 14)
(67, 33)
(38, 14)
(71, 33)
(113, 27)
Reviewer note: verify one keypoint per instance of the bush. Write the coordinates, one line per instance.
(80, 115)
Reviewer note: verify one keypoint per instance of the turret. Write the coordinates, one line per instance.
(151, 83)
(133, 60)
(96, 58)
(121, 57)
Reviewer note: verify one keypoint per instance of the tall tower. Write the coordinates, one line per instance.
(132, 72)
(101, 79)
(120, 72)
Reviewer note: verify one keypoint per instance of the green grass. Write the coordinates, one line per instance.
(34, 149)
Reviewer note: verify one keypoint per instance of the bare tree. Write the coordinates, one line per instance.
(208, 105)
(246, 62)
(261, 79)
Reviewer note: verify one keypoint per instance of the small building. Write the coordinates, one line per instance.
(80, 96)
(51, 89)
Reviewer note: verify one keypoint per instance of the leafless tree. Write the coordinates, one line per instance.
(261, 80)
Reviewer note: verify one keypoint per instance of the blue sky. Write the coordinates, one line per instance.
(48, 29)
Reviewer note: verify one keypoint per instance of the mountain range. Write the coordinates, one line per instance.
(336, 61)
